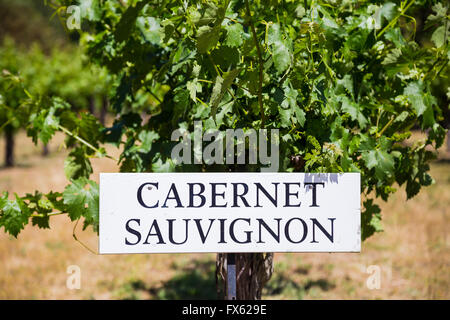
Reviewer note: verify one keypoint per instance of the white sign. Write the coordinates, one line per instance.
(229, 212)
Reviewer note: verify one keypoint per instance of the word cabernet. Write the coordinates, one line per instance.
(286, 195)
(229, 212)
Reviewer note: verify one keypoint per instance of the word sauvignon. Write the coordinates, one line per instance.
(294, 230)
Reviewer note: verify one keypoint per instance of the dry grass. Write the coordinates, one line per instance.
(413, 253)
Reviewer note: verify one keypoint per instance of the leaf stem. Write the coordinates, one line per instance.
(379, 134)
(203, 80)
(199, 100)
(153, 95)
(76, 239)
(330, 71)
(209, 81)
(90, 146)
(394, 21)
(213, 63)
(261, 64)
(234, 20)
(39, 215)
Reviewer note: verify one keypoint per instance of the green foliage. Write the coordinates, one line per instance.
(370, 219)
(77, 165)
(30, 78)
(29, 88)
(82, 202)
(15, 214)
(344, 81)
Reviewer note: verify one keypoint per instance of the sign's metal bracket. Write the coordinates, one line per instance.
(231, 276)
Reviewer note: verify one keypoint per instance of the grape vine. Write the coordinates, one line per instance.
(344, 81)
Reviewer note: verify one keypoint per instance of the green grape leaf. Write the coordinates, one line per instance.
(220, 87)
(181, 101)
(370, 219)
(234, 36)
(207, 38)
(355, 111)
(163, 166)
(168, 29)
(414, 92)
(281, 56)
(290, 101)
(49, 127)
(14, 214)
(412, 188)
(382, 161)
(345, 85)
(82, 201)
(285, 117)
(46, 122)
(280, 52)
(123, 28)
(217, 94)
(440, 13)
(147, 138)
(77, 165)
(90, 9)
(439, 36)
(213, 14)
(42, 222)
(193, 87)
(150, 28)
